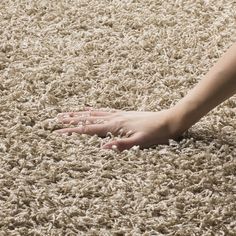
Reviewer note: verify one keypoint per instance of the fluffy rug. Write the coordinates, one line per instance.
(129, 54)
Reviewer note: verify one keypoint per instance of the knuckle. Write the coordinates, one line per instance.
(118, 125)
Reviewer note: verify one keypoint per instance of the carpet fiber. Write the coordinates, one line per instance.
(59, 56)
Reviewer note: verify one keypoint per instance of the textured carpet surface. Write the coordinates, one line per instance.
(134, 55)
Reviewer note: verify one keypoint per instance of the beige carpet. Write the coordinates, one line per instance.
(134, 55)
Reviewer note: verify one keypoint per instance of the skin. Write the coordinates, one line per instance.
(147, 129)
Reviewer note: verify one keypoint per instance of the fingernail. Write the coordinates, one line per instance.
(56, 131)
(61, 132)
(63, 115)
(113, 147)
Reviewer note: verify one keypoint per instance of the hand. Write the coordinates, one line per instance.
(136, 128)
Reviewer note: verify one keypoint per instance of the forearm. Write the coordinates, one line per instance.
(217, 85)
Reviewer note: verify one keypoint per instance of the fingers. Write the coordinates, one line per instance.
(89, 111)
(110, 110)
(124, 143)
(81, 113)
(83, 120)
(93, 129)
(93, 123)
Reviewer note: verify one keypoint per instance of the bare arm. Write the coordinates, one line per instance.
(218, 85)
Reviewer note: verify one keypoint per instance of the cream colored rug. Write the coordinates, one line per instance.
(134, 55)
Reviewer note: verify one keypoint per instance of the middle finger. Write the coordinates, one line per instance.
(83, 120)
(83, 113)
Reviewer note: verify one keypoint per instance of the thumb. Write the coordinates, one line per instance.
(122, 144)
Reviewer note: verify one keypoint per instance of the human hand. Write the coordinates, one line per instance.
(136, 127)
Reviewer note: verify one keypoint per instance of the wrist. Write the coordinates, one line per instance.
(182, 116)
